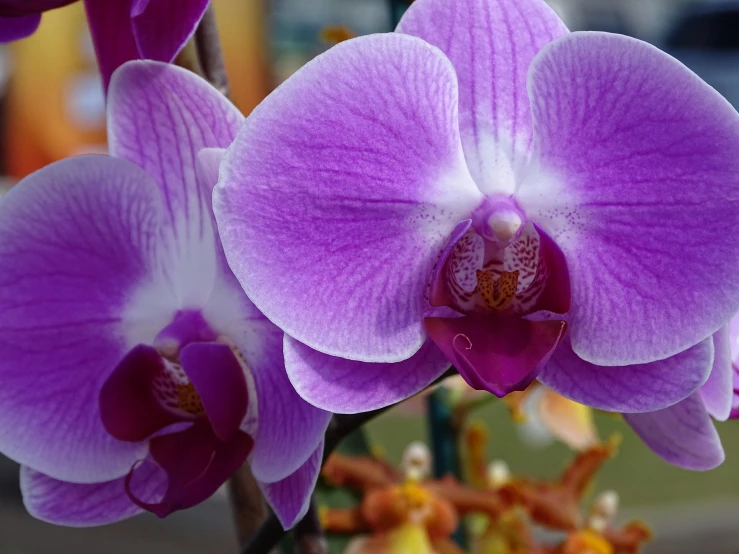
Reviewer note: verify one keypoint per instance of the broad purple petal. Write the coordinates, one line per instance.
(159, 117)
(491, 44)
(630, 388)
(219, 379)
(290, 497)
(78, 290)
(129, 407)
(496, 354)
(340, 192)
(636, 179)
(682, 434)
(162, 27)
(14, 28)
(88, 505)
(717, 392)
(347, 387)
(196, 462)
(112, 35)
(288, 428)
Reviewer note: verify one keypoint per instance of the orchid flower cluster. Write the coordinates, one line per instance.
(480, 189)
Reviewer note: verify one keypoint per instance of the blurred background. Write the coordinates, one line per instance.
(51, 107)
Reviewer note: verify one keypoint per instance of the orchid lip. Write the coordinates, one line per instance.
(190, 394)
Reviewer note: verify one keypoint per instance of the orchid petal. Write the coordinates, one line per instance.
(496, 354)
(220, 382)
(159, 117)
(14, 28)
(161, 28)
(77, 240)
(340, 192)
(290, 497)
(348, 387)
(717, 392)
(491, 44)
(630, 388)
(636, 179)
(110, 26)
(196, 462)
(682, 434)
(288, 428)
(87, 505)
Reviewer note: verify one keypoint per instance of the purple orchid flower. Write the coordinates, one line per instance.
(136, 374)
(485, 188)
(122, 30)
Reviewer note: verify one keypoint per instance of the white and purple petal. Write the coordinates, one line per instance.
(290, 497)
(682, 434)
(629, 388)
(491, 44)
(159, 117)
(87, 505)
(635, 176)
(77, 243)
(347, 387)
(340, 191)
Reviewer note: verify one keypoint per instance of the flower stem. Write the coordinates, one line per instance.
(247, 504)
(444, 431)
(209, 50)
(309, 536)
(271, 532)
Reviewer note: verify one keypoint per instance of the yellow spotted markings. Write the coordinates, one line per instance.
(497, 292)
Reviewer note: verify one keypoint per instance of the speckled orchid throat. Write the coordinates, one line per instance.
(188, 395)
(497, 269)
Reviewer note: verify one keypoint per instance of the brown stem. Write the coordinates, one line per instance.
(247, 504)
(309, 537)
(188, 58)
(209, 50)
